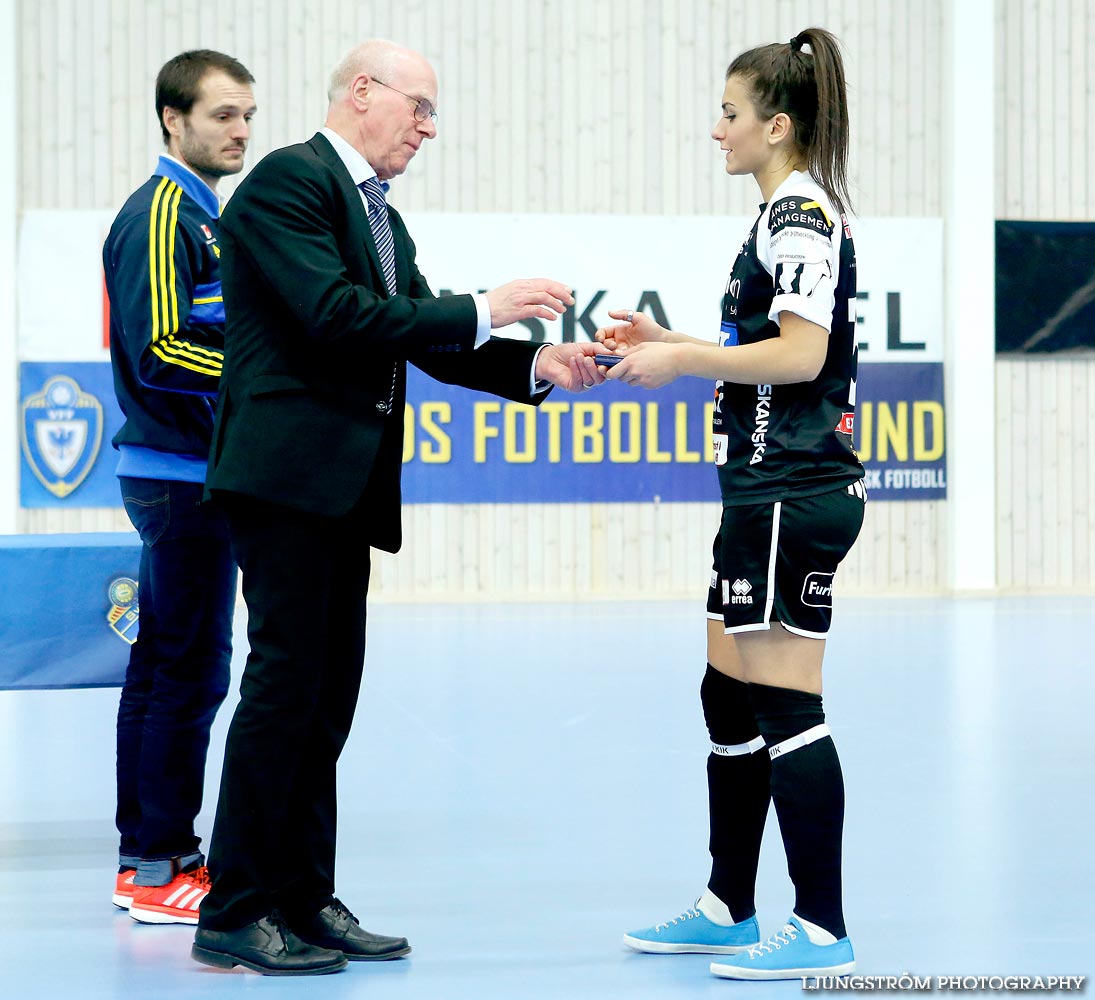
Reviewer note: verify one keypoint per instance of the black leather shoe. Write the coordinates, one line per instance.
(336, 927)
(266, 946)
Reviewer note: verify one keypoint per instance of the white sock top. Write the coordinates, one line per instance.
(817, 935)
(714, 909)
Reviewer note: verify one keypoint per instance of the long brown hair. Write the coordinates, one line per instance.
(809, 88)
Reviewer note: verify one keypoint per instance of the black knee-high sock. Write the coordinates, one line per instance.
(737, 790)
(808, 791)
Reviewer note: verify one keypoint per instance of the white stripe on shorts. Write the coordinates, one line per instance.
(777, 509)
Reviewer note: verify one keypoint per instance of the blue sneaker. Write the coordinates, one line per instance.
(800, 949)
(694, 932)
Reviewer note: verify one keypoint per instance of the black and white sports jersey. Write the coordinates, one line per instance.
(776, 441)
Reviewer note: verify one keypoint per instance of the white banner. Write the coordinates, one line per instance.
(675, 267)
(60, 286)
(681, 263)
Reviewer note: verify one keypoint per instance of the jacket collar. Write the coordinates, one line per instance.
(359, 168)
(322, 146)
(190, 182)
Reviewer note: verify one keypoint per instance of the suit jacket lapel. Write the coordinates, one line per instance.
(402, 255)
(358, 217)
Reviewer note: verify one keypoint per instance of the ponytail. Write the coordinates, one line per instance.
(809, 88)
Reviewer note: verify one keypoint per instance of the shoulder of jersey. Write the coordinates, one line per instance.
(802, 209)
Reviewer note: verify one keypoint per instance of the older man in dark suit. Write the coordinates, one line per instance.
(325, 308)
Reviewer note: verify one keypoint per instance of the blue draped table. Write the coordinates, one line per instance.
(69, 609)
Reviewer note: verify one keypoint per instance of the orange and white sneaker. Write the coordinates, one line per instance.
(123, 889)
(174, 903)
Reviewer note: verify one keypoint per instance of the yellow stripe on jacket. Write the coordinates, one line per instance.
(163, 225)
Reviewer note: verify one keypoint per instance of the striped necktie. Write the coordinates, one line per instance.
(382, 230)
(385, 247)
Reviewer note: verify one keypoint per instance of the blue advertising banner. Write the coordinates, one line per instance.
(623, 445)
(70, 609)
(617, 444)
(899, 430)
(614, 444)
(67, 416)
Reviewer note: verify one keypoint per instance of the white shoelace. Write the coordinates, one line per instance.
(775, 942)
(687, 915)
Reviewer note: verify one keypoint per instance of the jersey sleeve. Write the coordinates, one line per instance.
(171, 332)
(803, 259)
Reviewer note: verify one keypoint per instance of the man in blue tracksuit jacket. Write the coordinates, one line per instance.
(166, 343)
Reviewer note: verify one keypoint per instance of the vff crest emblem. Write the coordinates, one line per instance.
(124, 614)
(61, 431)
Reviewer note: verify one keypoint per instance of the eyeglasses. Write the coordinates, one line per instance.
(422, 108)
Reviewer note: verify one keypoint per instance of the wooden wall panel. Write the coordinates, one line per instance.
(1045, 450)
(1045, 166)
(594, 106)
(1045, 155)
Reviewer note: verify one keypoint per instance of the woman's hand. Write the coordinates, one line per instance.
(649, 365)
(636, 328)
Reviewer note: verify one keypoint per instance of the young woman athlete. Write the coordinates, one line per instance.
(793, 503)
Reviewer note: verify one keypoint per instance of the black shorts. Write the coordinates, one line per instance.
(776, 561)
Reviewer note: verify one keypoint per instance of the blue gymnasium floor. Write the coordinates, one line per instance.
(526, 782)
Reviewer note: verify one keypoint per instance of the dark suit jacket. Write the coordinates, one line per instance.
(313, 338)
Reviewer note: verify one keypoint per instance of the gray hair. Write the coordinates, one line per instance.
(377, 57)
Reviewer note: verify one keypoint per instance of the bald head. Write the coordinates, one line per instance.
(373, 94)
(376, 57)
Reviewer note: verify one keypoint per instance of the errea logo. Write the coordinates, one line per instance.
(741, 590)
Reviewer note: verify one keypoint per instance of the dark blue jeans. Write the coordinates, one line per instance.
(179, 667)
